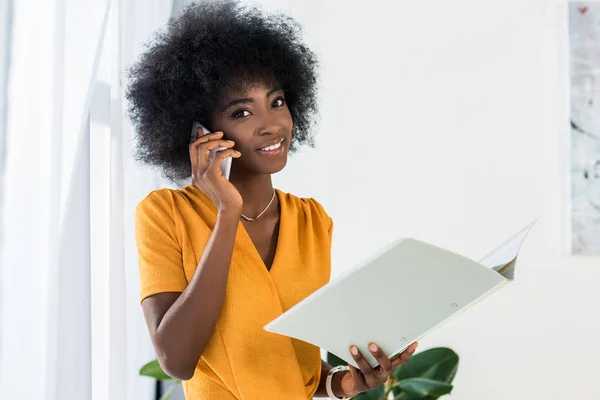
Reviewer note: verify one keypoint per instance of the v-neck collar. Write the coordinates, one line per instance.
(280, 236)
(245, 236)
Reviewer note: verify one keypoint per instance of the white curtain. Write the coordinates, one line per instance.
(71, 324)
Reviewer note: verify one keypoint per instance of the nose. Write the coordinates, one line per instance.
(269, 126)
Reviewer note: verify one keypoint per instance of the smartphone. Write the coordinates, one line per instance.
(226, 164)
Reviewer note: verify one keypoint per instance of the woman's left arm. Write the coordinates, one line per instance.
(350, 383)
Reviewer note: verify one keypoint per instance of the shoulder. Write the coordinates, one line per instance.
(169, 199)
(158, 201)
(307, 207)
(167, 202)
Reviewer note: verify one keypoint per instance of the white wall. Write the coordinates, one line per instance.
(448, 121)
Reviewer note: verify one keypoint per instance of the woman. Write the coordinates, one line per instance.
(220, 258)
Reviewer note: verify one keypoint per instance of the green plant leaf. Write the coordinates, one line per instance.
(154, 370)
(438, 364)
(169, 392)
(406, 396)
(334, 360)
(399, 394)
(373, 394)
(422, 388)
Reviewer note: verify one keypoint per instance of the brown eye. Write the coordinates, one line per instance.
(278, 102)
(240, 114)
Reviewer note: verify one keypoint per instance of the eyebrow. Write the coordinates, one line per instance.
(249, 100)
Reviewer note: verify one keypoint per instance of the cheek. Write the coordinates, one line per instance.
(287, 120)
(239, 138)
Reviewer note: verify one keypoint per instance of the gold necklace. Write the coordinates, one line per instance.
(263, 211)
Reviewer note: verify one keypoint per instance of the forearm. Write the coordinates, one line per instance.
(187, 326)
(335, 383)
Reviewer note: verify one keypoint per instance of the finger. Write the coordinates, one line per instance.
(200, 132)
(410, 350)
(365, 367)
(221, 155)
(203, 138)
(403, 357)
(385, 364)
(359, 380)
(398, 362)
(196, 156)
(213, 144)
(206, 147)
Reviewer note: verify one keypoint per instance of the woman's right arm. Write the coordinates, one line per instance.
(181, 324)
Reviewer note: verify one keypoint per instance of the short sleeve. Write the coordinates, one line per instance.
(159, 252)
(328, 221)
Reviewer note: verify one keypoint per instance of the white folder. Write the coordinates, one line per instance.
(397, 297)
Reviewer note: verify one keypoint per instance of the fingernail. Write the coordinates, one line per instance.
(230, 141)
(354, 350)
(372, 347)
(238, 153)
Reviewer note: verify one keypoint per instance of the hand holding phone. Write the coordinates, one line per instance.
(226, 164)
(211, 157)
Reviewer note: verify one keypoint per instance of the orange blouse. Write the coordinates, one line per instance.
(241, 360)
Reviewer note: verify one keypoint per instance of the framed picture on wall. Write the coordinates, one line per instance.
(584, 70)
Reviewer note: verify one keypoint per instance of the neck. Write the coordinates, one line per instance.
(256, 191)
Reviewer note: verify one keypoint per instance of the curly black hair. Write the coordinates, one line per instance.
(212, 47)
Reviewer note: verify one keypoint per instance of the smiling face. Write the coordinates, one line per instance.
(259, 122)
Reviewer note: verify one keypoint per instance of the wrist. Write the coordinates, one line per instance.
(336, 385)
(229, 214)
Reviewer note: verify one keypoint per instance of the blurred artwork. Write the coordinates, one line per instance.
(584, 53)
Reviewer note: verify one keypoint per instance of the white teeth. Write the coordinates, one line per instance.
(273, 147)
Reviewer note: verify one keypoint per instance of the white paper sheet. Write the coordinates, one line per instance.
(505, 255)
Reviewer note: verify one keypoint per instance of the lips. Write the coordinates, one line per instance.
(272, 145)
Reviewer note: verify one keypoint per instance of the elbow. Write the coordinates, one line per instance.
(177, 360)
(176, 368)
(183, 375)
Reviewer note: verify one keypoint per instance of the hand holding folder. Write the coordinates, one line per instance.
(422, 286)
